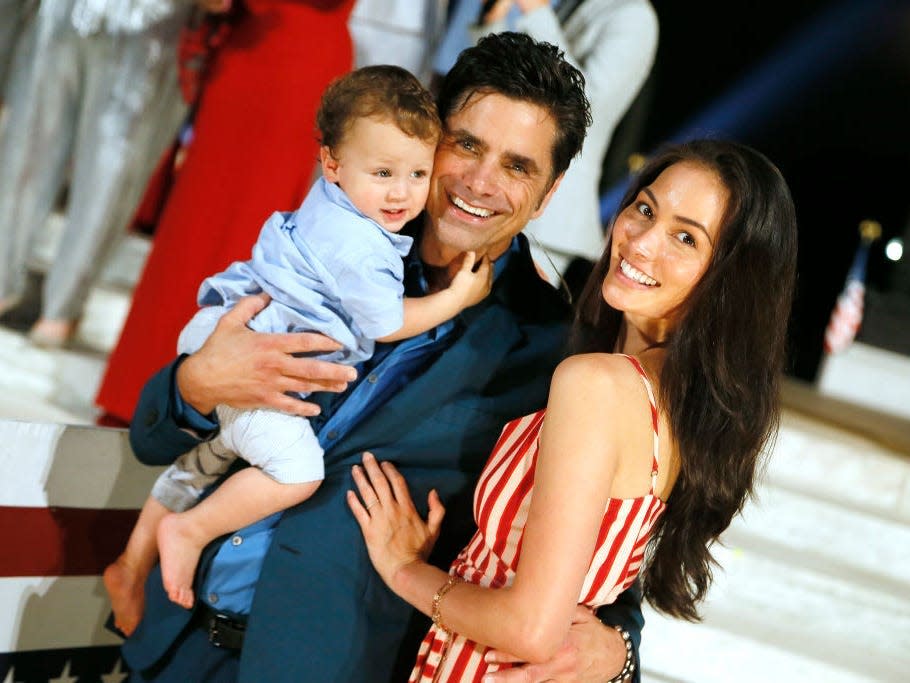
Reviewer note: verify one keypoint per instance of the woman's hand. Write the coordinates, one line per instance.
(395, 534)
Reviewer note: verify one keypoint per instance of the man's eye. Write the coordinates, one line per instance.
(466, 144)
(518, 168)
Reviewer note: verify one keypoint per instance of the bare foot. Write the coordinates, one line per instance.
(126, 589)
(179, 547)
(51, 334)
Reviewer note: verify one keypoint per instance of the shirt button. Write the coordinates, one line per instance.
(373, 378)
(213, 598)
(237, 540)
(332, 435)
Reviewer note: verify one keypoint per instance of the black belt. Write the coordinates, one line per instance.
(223, 631)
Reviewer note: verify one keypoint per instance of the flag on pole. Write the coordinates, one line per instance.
(847, 315)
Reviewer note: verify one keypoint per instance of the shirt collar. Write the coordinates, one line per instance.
(415, 275)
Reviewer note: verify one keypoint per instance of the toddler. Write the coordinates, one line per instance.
(333, 266)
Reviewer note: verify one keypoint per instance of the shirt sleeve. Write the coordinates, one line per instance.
(160, 430)
(372, 295)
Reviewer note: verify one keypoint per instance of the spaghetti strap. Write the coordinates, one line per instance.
(654, 417)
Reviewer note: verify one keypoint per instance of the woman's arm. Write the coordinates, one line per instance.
(578, 458)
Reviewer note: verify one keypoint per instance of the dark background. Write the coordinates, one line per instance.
(823, 89)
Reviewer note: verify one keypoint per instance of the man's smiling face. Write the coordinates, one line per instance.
(492, 174)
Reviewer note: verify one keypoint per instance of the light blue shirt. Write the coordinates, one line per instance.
(232, 577)
(328, 268)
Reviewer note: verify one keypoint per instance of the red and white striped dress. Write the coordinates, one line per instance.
(502, 500)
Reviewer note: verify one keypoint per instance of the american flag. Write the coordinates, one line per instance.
(847, 316)
(68, 499)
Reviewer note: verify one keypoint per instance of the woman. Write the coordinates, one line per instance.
(651, 437)
(254, 151)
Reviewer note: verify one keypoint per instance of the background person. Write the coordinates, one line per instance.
(94, 99)
(254, 148)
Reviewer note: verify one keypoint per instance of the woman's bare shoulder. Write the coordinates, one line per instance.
(607, 378)
(596, 368)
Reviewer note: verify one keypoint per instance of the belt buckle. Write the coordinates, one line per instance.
(216, 623)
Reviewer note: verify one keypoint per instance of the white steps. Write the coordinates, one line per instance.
(109, 300)
(59, 385)
(815, 584)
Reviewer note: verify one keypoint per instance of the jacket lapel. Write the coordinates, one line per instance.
(467, 365)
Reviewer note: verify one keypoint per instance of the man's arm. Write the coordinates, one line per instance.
(246, 369)
(592, 652)
(626, 613)
(237, 367)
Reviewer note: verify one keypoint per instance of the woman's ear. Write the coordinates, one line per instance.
(329, 164)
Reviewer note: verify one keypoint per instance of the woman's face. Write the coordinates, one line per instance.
(662, 245)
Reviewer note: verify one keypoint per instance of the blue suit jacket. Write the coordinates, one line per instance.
(320, 612)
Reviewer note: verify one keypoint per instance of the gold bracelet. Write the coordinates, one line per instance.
(437, 598)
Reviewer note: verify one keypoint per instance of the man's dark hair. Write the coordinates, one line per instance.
(517, 66)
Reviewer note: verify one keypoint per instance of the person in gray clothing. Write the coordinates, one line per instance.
(95, 96)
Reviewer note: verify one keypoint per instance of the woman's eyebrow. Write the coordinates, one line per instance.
(681, 219)
(647, 191)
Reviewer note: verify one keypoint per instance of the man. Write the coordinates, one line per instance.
(613, 43)
(515, 114)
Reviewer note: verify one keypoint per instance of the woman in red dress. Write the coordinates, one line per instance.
(254, 152)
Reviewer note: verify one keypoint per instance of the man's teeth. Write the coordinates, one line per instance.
(473, 210)
(633, 273)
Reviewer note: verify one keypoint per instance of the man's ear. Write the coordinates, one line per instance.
(329, 164)
(548, 196)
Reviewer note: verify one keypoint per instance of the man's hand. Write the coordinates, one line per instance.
(592, 652)
(247, 369)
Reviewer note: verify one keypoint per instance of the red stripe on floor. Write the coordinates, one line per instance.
(60, 541)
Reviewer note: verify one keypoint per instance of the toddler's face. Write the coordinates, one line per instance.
(384, 172)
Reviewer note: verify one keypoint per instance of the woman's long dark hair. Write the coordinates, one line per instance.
(721, 375)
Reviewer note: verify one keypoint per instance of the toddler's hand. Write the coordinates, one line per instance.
(472, 285)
